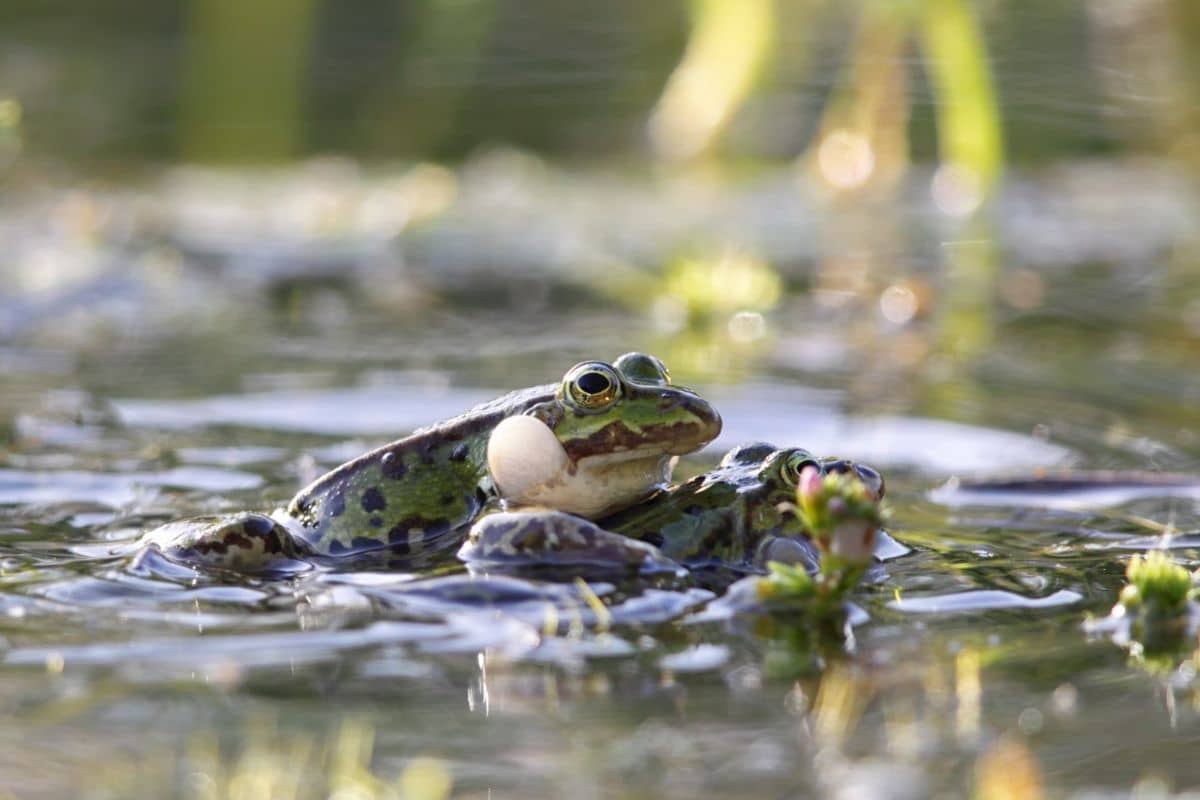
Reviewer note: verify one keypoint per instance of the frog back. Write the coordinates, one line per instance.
(697, 520)
(409, 493)
(720, 516)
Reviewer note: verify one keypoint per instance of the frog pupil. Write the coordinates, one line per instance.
(593, 383)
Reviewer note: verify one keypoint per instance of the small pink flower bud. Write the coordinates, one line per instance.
(810, 483)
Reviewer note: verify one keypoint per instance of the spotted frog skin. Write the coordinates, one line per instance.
(613, 429)
(735, 517)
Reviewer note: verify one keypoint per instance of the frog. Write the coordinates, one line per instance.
(729, 521)
(603, 438)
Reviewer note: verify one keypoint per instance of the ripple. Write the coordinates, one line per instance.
(698, 658)
(115, 490)
(205, 652)
(1067, 491)
(792, 415)
(982, 600)
(377, 410)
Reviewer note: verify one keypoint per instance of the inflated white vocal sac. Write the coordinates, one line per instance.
(524, 455)
(530, 467)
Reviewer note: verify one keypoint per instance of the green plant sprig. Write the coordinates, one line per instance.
(1157, 585)
(843, 517)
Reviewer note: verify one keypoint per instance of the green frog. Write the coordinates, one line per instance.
(603, 438)
(735, 518)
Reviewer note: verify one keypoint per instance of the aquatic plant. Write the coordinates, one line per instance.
(707, 288)
(1154, 616)
(727, 48)
(786, 582)
(844, 519)
(968, 116)
(1157, 585)
(842, 516)
(242, 102)
(863, 134)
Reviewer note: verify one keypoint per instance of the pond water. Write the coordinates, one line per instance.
(398, 209)
(164, 370)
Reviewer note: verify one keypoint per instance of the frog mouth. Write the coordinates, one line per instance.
(529, 466)
(602, 484)
(628, 461)
(594, 461)
(619, 442)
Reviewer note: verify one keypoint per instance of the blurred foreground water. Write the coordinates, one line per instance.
(204, 341)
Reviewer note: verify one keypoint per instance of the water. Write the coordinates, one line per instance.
(426, 204)
(127, 406)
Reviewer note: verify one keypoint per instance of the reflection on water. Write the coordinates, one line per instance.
(652, 684)
(184, 341)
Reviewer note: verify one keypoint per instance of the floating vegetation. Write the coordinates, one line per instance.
(1155, 616)
(843, 518)
(1158, 587)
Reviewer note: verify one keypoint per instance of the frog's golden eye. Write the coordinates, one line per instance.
(591, 386)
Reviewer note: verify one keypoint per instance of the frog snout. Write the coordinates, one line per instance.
(703, 420)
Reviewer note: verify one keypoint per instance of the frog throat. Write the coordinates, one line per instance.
(529, 466)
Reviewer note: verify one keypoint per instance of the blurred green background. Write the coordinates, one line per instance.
(222, 81)
(914, 173)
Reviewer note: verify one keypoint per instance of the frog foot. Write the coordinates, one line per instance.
(544, 537)
(243, 542)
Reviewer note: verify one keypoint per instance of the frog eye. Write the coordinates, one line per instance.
(796, 462)
(643, 368)
(591, 386)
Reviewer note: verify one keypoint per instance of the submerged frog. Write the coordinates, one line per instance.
(735, 518)
(603, 438)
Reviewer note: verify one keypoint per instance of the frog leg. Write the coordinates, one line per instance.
(245, 542)
(544, 537)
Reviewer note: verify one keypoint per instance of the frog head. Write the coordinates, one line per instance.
(607, 439)
(780, 468)
(871, 479)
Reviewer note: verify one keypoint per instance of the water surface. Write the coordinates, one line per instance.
(121, 415)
